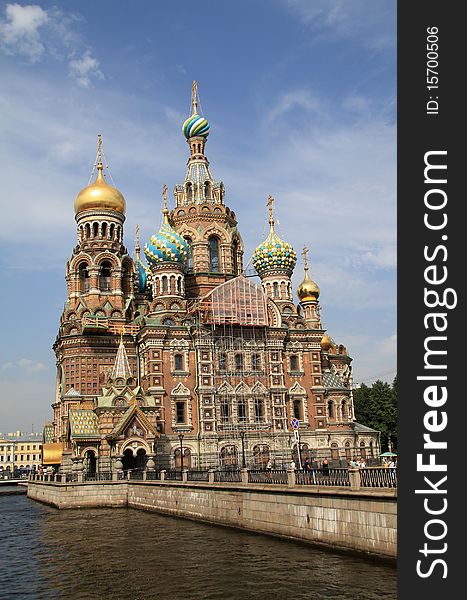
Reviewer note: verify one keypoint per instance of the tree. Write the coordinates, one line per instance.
(376, 407)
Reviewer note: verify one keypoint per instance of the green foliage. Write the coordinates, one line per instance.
(376, 407)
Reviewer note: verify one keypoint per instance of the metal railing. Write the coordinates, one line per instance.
(334, 477)
(230, 476)
(198, 475)
(100, 476)
(153, 475)
(278, 476)
(378, 477)
(173, 475)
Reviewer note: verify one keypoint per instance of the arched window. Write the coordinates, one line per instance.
(294, 362)
(213, 254)
(112, 231)
(189, 192)
(125, 279)
(334, 451)
(189, 261)
(241, 409)
(83, 277)
(104, 230)
(255, 362)
(362, 450)
(104, 276)
(222, 362)
(239, 362)
(229, 456)
(87, 230)
(344, 409)
(347, 451)
(276, 289)
(178, 359)
(261, 454)
(330, 408)
(207, 190)
(235, 257)
(95, 229)
(225, 409)
(165, 284)
(259, 408)
(371, 449)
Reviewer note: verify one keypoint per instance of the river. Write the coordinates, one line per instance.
(125, 554)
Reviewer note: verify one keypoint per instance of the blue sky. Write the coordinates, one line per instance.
(301, 99)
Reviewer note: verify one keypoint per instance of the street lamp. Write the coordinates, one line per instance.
(242, 436)
(180, 437)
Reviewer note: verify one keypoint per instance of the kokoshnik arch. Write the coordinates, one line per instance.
(181, 355)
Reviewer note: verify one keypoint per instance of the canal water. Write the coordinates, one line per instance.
(125, 554)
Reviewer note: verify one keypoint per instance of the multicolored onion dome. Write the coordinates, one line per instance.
(166, 246)
(195, 125)
(274, 255)
(142, 276)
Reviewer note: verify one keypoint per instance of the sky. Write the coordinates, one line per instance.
(301, 100)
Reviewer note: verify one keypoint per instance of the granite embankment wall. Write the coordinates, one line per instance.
(361, 521)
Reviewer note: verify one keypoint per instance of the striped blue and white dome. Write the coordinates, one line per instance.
(142, 276)
(195, 125)
(166, 246)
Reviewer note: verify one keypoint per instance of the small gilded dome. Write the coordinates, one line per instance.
(166, 246)
(195, 125)
(326, 342)
(308, 289)
(100, 196)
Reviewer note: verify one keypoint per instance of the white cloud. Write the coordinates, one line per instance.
(369, 22)
(23, 366)
(291, 101)
(19, 33)
(84, 69)
(36, 33)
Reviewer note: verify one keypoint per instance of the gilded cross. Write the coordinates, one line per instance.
(270, 204)
(305, 257)
(195, 97)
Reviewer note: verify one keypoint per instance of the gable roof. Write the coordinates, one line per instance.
(84, 424)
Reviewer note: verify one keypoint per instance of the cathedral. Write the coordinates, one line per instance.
(180, 355)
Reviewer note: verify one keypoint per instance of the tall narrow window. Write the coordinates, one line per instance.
(259, 409)
(222, 362)
(344, 409)
(165, 285)
(235, 257)
(330, 408)
(225, 409)
(189, 192)
(255, 362)
(104, 277)
(276, 289)
(178, 362)
(213, 254)
(239, 362)
(83, 277)
(241, 407)
(180, 406)
(125, 279)
(297, 409)
(189, 262)
(294, 363)
(207, 190)
(95, 229)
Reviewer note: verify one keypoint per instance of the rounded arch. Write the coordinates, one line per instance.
(77, 260)
(216, 231)
(141, 443)
(187, 231)
(107, 256)
(274, 314)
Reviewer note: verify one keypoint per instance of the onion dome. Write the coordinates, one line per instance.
(326, 342)
(100, 195)
(274, 254)
(142, 276)
(195, 125)
(308, 290)
(167, 245)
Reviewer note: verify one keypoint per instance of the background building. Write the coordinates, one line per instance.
(20, 453)
(185, 356)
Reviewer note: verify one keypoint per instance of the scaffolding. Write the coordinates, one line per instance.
(232, 325)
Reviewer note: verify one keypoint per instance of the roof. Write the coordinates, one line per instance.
(125, 420)
(121, 367)
(52, 454)
(333, 381)
(48, 433)
(84, 424)
(72, 393)
(359, 428)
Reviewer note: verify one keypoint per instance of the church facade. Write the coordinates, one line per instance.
(179, 355)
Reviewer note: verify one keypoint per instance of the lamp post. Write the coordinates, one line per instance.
(242, 436)
(389, 442)
(180, 437)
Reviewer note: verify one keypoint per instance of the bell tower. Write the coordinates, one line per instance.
(201, 216)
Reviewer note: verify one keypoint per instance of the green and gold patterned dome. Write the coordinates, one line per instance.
(274, 255)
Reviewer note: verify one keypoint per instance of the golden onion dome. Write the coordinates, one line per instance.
(100, 195)
(308, 289)
(326, 342)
